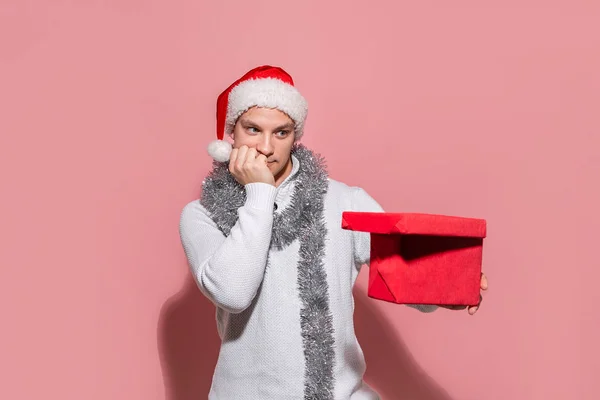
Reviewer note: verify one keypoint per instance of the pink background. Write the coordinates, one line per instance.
(483, 109)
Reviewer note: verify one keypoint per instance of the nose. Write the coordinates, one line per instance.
(265, 145)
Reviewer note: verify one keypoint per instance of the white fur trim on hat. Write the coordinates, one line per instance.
(268, 93)
(220, 150)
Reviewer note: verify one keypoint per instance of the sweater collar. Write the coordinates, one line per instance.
(286, 187)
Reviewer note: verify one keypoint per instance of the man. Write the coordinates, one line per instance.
(265, 245)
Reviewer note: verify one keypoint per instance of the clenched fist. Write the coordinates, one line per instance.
(248, 166)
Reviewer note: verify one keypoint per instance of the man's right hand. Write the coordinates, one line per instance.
(248, 166)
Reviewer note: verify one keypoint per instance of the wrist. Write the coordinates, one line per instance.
(260, 195)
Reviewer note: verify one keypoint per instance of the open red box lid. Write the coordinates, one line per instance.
(413, 224)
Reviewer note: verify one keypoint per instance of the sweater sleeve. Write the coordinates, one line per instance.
(229, 270)
(363, 202)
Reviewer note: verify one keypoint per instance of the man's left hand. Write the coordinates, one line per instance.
(471, 309)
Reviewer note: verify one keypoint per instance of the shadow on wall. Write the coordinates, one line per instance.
(188, 347)
(391, 369)
(188, 343)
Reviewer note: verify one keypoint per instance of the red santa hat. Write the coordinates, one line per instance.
(264, 86)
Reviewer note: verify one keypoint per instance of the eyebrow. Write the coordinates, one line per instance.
(247, 122)
(289, 125)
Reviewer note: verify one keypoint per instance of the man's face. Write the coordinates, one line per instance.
(270, 132)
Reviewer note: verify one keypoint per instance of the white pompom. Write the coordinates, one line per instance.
(220, 150)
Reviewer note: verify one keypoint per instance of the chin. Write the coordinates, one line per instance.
(274, 168)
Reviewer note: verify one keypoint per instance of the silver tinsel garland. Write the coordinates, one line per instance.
(303, 219)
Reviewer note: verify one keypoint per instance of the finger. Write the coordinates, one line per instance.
(251, 155)
(473, 309)
(241, 157)
(232, 159)
(484, 281)
(261, 159)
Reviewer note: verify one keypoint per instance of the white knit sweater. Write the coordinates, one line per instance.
(258, 307)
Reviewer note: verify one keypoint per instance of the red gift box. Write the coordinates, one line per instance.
(422, 258)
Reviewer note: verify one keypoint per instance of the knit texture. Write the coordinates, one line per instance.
(254, 289)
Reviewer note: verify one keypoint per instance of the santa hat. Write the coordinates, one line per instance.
(264, 86)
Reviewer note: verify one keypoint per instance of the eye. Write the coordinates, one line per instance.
(252, 129)
(283, 133)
